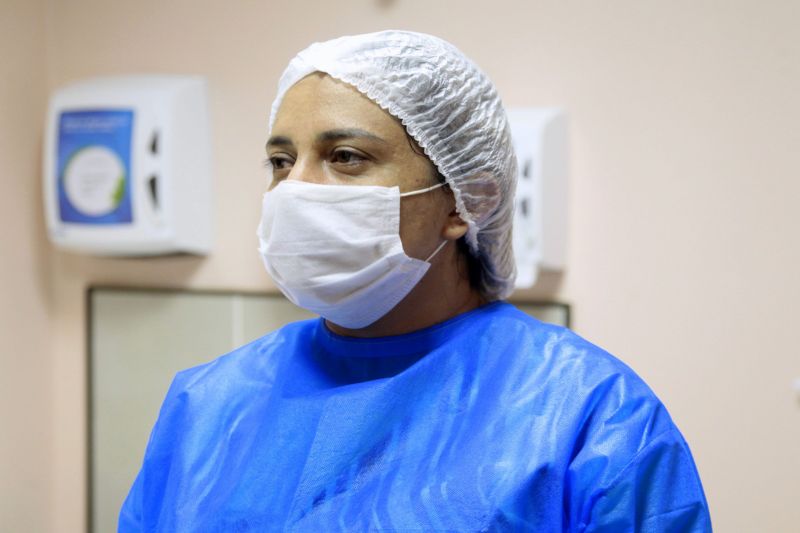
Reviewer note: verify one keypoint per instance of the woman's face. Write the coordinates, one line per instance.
(327, 132)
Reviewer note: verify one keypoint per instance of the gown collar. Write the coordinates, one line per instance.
(420, 341)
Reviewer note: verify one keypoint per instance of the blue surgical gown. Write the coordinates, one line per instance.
(490, 421)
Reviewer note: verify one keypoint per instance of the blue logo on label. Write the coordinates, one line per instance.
(93, 166)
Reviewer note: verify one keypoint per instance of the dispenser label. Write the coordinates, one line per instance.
(94, 154)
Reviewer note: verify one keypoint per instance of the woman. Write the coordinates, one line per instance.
(420, 401)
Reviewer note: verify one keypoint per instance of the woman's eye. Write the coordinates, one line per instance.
(278, 162)
(346, 157)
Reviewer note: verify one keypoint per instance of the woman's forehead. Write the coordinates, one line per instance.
(319, 103)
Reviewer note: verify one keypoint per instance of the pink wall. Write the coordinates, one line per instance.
(26, 356)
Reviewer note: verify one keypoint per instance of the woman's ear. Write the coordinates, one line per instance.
(454, 227)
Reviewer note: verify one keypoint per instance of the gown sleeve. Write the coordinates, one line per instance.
(658, 491)
(130, 516)
(630, 468)
(146, 494)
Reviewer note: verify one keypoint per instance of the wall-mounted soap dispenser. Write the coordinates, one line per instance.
(127, 166)
(541, 202)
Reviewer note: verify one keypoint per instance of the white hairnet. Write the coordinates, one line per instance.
(452, 110)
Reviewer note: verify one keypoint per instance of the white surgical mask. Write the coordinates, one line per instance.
(336, 251)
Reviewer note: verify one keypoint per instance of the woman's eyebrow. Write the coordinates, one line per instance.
(328, 136)
(279, 140)
(348, 133)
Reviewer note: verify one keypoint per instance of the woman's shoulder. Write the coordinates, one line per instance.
(619, 438)
(556, 349)
(593, 391)
(249, 368)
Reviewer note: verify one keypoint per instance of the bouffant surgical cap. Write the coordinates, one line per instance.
(454, 113)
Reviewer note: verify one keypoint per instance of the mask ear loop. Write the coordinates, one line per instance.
(421, 191)
(436, 251)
